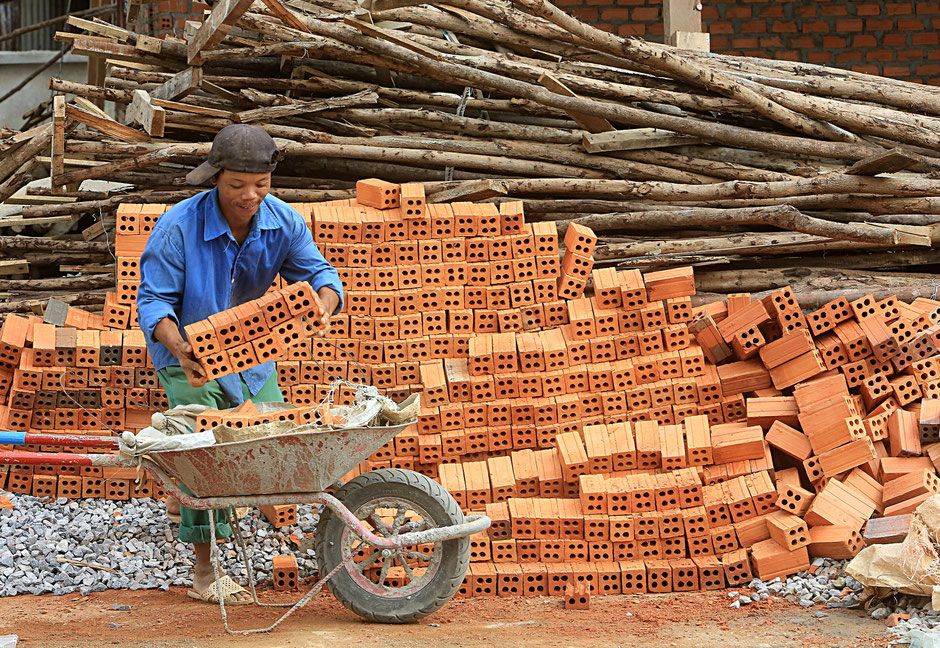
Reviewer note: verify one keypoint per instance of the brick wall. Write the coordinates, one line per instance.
(896, 39)
(168, 17)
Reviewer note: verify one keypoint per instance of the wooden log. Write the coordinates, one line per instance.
(225, 13)
(633, 139)
(784, 217)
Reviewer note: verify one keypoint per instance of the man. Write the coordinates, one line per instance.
(209, 253)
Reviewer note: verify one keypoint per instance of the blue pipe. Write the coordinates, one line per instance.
(12, 438)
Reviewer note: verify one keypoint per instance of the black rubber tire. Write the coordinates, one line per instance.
(440, 507)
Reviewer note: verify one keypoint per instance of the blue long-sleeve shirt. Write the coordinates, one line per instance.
(192, 268)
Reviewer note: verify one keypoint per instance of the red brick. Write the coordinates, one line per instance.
(868, 10)
(865, 69)
(617, 13)
(749, 42)
(755, 26)
(586, 14)
(864, 40)
(645, 13)
(784, 27)
(631, 30)
(816, 26)
(879, 55)
(895, 40)
(911, 55)
(877, 24)
(725, 27)
(844, 57)
(820, 57)
(899, 8)
(927, 38)
(896, 71)
(774, 10)
(911, 24)
(927, 7)
(834, 42)
(769, 42)
(737, 12)
(833, 10)
(808, 11)
(849, 25)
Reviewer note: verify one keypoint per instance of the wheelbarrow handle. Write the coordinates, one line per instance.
(66, 440)
(59, 459)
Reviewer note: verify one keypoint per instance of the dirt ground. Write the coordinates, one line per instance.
(170, 620)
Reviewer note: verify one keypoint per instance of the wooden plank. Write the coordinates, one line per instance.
(587, 122)
(890, 161)
(179, 85)
(390, 36)
(633, 139)
(681, 15)
(85, 104)
(10, 267)
(148, 44)
(109, 127)
(23, 199)
(89, 268)
(93, 231)
(287, 17)
(59, 112)
(196, 110)
(699, 41)
(119, 52)
(225, 13)
(141, 111)
(18, 221)
(102, 29)
(72, 161)
(219, 91)
(469, 191)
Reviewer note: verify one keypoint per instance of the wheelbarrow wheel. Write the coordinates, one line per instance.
(400, 586)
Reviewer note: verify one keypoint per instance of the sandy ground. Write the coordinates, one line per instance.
(170, 620)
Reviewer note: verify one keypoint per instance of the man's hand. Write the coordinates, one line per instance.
(328, 301)
(191, 367)
(169, 336)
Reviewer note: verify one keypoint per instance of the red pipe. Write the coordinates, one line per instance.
(45, 459)
(72, 440)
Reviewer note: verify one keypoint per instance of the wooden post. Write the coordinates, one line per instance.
(96, 64)
(682, 24)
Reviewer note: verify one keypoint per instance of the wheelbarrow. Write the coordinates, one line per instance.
(392, 545)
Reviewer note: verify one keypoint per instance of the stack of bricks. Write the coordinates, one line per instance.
(71, 373)
(848, 397)
(625, 440)
(255, 332)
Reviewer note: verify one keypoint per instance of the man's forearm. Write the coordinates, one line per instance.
(168, 334)
(329, 298)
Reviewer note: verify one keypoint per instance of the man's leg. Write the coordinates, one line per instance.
(194, 525)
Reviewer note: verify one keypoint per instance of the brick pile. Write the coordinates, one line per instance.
(623, 442)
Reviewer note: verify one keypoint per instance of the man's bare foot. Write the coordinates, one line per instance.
(172, 505)
(204, 576)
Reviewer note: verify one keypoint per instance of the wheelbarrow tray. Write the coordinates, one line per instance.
(302, 462)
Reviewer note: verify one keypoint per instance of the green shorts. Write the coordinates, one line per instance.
(194, 525)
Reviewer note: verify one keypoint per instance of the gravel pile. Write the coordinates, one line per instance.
(133, 538)
(829, 585)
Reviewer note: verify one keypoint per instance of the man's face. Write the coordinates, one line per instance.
(240, 194)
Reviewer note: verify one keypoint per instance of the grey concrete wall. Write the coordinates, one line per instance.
(16, 66)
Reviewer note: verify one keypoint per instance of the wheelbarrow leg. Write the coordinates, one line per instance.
(214, 557)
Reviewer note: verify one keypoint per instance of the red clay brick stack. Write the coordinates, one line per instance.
(624, 440)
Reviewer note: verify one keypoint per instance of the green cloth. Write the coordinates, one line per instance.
(194, 525)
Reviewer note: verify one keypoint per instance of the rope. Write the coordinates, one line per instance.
(214, 557)
(461, 108)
